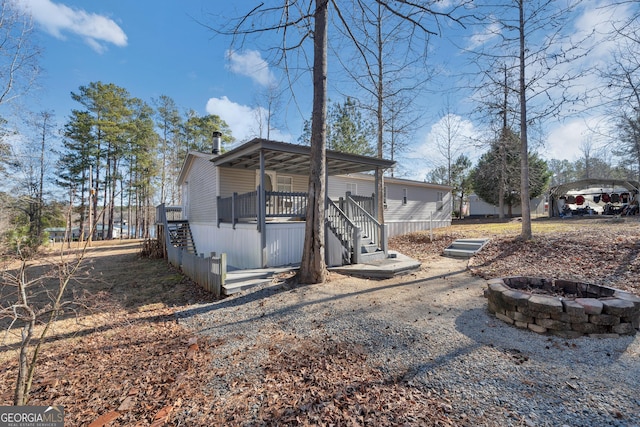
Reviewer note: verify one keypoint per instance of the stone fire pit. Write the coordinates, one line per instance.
(563, 307)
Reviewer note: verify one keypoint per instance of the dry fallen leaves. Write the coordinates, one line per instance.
(141, 368)
(597, 251)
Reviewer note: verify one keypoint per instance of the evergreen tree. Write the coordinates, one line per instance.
(460, 180)
(108, 136)
(141, 167)
(198, 131)
(107, 106)
(500, 168)
(347, 130)
(74, 162)
(169, 123)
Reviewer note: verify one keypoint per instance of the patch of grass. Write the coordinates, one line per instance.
(538, 226)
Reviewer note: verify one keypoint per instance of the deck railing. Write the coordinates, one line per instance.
(170, 213)
(278, 204)
(285, 204)
(238, 207)
(210, 273)
(368, 203)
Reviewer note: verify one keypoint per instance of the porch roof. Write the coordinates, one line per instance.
(294, 159)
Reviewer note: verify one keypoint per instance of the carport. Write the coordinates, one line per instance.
(594, 193)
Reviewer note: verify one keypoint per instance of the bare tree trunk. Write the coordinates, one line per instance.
(45, 119)
(380, 119)
(68, 234)
(503, 150)
(313, 267)
(503, 176)
(524, 161)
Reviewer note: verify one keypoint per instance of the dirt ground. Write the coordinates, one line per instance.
(118, 357)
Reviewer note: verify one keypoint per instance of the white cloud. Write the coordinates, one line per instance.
(250, 63)
(565, 139)
(598, 20)
(57, 19)
(487, 34)
(243, 120)
(425, 155)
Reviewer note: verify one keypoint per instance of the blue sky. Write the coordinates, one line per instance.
(154, 48)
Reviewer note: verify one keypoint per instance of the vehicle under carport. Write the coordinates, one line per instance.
(594, 196)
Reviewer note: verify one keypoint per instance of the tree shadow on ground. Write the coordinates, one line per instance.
(487, 330)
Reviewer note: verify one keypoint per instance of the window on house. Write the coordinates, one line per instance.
(285, 184)
(352, 188)
(440, 200)
(404, 196)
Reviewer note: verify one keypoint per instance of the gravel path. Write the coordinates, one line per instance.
(431, 330)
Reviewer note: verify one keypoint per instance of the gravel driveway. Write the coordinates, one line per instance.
(431, 329)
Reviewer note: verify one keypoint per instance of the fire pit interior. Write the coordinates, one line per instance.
(563, 307)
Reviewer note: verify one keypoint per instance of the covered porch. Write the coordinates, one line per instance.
(352, 231)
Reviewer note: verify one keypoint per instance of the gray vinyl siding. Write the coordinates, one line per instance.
(244, 181)
(422, 199)
(422, 210)
(421, 202)
(236, 181)
(339, 185)
(201, 182)
(300, 183)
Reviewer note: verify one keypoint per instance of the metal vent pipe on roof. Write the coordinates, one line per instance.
(217, 142)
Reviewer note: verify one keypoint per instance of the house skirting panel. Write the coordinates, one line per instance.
(284, 243)
(396, 228)
(242, 244)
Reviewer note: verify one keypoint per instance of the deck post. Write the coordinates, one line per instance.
(379, 183)
(357, 245)
(384, 232)
(233, 210)
(262, 205)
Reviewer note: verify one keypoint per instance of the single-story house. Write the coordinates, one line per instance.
(478, 208)
(56, 234)
(250, 203)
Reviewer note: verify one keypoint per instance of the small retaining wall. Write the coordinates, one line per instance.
(584, 309)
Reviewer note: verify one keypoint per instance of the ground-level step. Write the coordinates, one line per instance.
(240, 280)
(235, 287)
(465, 248)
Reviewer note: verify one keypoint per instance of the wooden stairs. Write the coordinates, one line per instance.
(181, 237)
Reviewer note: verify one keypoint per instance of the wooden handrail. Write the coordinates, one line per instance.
(344, 229)
(370, 228)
